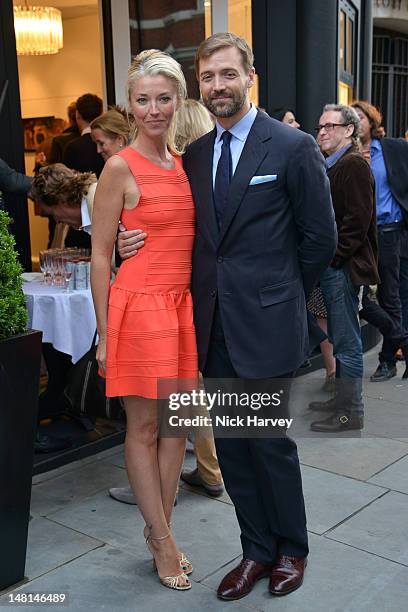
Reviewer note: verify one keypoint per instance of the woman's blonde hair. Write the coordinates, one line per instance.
(191, 122)
(114, 124)
(56, 183)
(153, 62)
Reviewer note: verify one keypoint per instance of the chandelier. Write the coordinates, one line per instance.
(38, 30)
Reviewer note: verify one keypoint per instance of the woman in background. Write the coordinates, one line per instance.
(192, 121)
(110, 132)
(285, 115)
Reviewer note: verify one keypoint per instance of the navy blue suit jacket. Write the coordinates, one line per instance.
(276, 239)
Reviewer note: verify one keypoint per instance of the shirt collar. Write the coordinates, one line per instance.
(86, 225)
(86, 130)
(334, 157)
(240, 129)
(375, 144)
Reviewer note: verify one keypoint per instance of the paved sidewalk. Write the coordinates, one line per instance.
(86, 544)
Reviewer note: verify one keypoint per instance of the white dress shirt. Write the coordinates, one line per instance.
(239, 133)
(86, 224)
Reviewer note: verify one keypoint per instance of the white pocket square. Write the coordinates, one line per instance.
(267, 178)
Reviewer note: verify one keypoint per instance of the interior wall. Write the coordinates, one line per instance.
(48, 83)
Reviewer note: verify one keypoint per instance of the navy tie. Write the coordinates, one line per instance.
(223, 177)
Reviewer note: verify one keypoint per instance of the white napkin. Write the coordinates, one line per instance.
(30, 277)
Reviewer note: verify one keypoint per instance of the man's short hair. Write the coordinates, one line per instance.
(216, 42)
(348, 116)
(71, 113)
(56, 183)
(89, 106)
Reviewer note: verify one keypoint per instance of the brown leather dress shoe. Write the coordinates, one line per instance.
(241, 580)
(287, 575)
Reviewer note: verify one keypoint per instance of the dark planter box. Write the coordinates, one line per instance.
(20, 359)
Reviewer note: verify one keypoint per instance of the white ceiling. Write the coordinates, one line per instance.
(70, 8)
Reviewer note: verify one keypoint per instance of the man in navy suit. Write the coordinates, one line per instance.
(265, 232)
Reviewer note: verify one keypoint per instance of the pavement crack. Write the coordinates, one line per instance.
(356, 512)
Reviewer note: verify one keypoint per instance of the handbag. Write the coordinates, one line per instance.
(84, 393)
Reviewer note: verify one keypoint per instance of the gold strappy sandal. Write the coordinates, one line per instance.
(185, 565)
(171, 582)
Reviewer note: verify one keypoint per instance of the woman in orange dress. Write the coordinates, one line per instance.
(145, 320)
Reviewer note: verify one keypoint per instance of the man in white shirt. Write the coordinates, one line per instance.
(65, 195)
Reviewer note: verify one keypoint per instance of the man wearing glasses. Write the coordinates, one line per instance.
(354, 263)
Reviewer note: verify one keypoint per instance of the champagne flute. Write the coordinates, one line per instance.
(58, 270)
(47, 263)
(43, 266)
(67, 270)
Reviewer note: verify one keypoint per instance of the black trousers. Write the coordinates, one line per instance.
(375, 315)
(389, 260)
(262, 476)
(58, 365)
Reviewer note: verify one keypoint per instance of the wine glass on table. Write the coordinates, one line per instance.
(67, 271)
(42, 264)
(58, 270)
(45, 267)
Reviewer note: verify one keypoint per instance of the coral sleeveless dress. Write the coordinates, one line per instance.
(150, 331)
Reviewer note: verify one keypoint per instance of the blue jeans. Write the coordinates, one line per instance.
(341, 299)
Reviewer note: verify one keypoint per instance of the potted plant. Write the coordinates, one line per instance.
(20, 358)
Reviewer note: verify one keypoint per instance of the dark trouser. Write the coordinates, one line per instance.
(389, 261)
(375, 315)
(404, 278)
(262, 477)
(77, 238)
(58, 365)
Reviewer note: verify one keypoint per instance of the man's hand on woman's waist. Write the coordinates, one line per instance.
(130, 241)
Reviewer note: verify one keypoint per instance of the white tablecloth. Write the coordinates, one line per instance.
(67, 320)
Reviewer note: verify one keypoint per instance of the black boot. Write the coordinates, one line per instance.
(330, 405)
(338, 422)
(45, 443)
(385, 371)
(405, 353)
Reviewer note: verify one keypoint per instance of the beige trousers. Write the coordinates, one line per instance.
(207, 462)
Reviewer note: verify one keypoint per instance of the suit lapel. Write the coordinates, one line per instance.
(251, 158)
(204, 191)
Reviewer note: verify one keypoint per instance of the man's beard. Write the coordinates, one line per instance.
(229, 109)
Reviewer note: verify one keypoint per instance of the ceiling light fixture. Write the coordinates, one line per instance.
(38, 30)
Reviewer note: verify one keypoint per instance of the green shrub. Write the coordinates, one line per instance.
(13, 313)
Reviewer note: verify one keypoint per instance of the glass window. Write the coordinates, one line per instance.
(347, 44)
(345, 93)
(240, 19)
(208, 17)
(350, 45)
(240, 23)
(342, 41)
(179, 26)
(175, 26)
